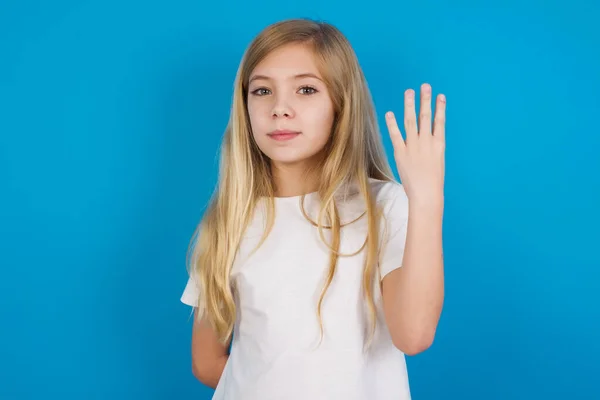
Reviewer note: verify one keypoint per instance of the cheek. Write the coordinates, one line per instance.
(257, 120)
(320, 119)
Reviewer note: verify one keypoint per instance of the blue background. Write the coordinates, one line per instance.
(111, 114)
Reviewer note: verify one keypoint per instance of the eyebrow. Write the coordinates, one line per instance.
(299, 76)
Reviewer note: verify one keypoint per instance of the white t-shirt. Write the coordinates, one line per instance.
(274, 354)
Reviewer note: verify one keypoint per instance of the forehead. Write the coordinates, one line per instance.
(287, 62)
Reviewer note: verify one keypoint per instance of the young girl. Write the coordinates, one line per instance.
(322, 269)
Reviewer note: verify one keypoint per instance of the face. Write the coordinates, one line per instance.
(290, 109)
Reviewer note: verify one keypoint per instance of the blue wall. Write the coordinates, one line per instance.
(110, 119)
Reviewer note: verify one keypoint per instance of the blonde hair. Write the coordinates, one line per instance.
(354, 153)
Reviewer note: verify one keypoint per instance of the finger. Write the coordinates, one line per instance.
(395, 134)
(425, 111)
(439, 123)
(410, 116)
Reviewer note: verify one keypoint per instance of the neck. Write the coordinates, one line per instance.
(292, 180)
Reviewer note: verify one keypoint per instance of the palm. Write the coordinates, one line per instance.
(420, 158)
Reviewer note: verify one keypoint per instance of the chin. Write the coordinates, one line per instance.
(288, 157)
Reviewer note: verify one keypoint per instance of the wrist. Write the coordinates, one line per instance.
(427, 206)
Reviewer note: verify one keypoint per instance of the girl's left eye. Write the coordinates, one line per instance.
(311, 90)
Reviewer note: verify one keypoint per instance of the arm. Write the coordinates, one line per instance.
(413, 295)
(209, 356)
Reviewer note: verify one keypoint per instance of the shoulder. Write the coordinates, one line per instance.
(389, 194)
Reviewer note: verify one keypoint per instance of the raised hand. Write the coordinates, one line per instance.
(420, 158)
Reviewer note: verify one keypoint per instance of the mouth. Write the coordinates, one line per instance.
(283, 135)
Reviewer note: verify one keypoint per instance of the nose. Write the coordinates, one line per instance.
(281, 108)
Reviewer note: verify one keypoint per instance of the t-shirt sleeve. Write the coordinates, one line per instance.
(393, 228)
(191, 292)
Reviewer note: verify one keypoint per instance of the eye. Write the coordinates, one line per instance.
(308, 90)
(259, 91)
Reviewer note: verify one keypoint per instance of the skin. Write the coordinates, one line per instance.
(209, 356)
(286, 91)
(413, 295)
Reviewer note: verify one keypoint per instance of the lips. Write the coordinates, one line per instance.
(282, 134)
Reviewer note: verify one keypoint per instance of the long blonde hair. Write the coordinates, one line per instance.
(354, 153)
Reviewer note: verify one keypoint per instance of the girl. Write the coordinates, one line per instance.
(322, 269)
